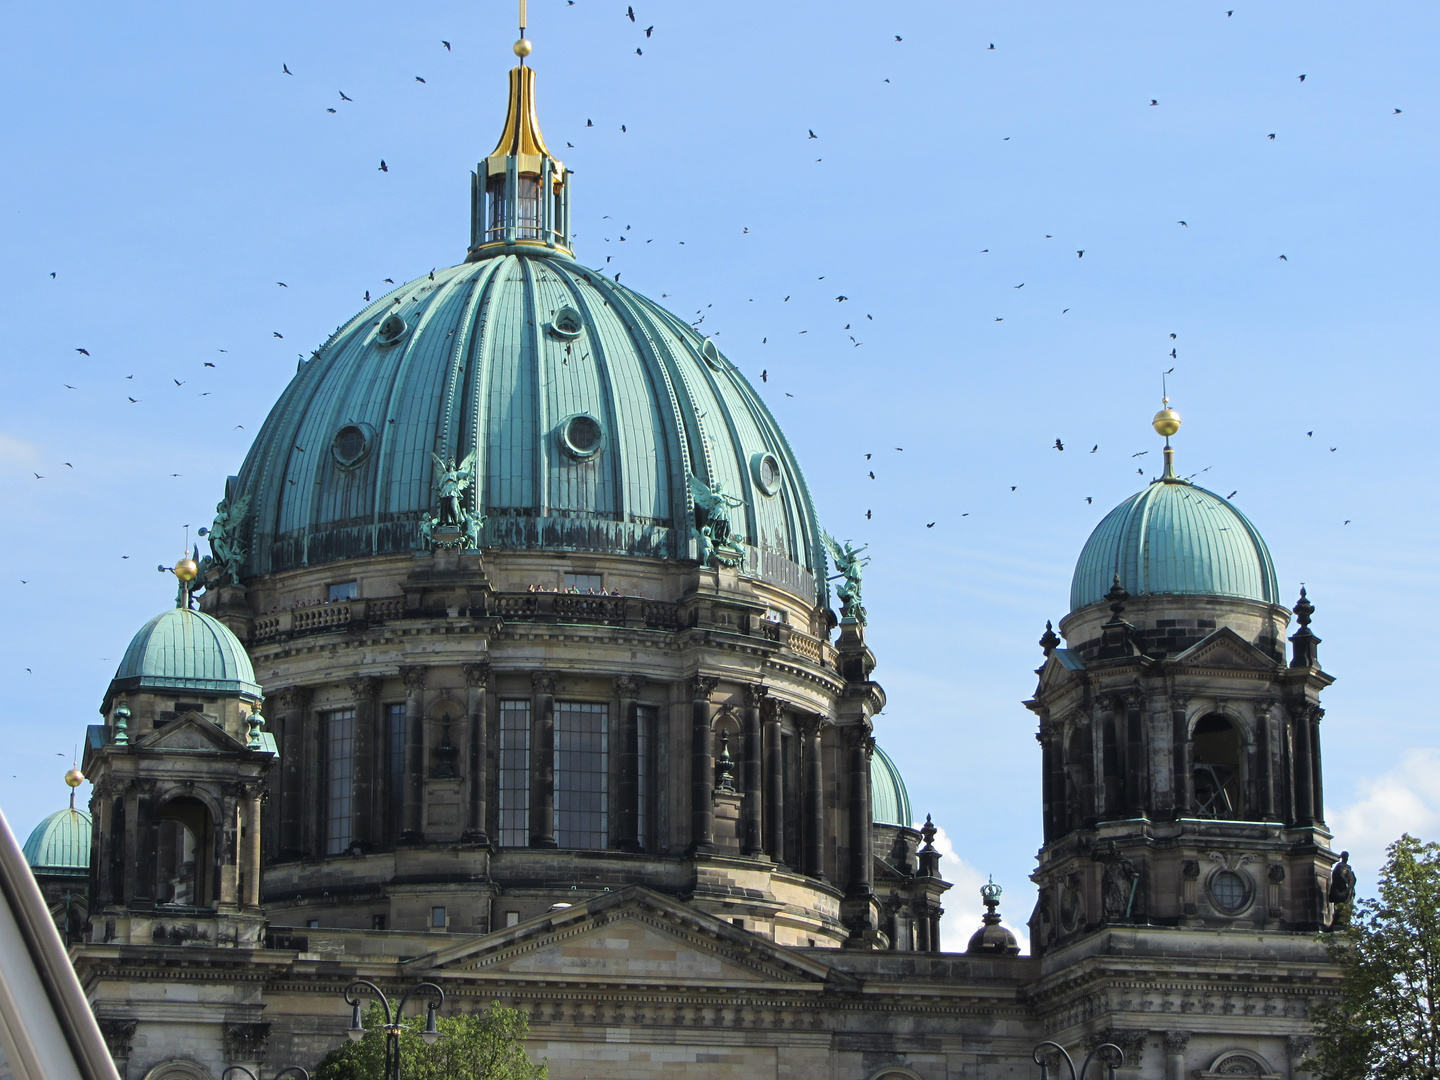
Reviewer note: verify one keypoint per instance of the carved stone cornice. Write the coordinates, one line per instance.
(413, 676)
(477, 675)
(756, 695)
(542, 682)
(702, 686)
(627, 686)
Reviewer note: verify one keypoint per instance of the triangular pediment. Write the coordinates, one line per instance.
(631, 936)
(190, 731)
(1059, 668)
(1226, 649)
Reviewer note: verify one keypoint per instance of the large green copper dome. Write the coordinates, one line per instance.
(586, 407)
(1174, 537)
(182, 649)
(889, 801)
(60, 844)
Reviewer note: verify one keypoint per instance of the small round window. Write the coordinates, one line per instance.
(350, 445)
(392, 329)
(765, 469)
(582, 435)
(1229, 891)
(566, 323)
(712, 355)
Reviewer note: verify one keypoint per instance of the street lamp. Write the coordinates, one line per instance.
(1084, 1068)
(296, 1069)
(393, 1025)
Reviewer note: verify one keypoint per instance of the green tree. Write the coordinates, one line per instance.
(1386, 1023)
(480, 1046)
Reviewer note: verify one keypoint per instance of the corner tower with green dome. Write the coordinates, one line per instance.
(1180, 743)
(514, 553)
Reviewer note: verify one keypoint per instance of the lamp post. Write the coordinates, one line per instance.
(392, 1026)
(296, 1069)
(1085, 1067)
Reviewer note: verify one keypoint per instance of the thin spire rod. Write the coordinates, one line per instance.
(523, 23)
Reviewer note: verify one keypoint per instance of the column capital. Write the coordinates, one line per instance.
(477, 674)
(363, 686)
(413, 675)
(1176, 1041)
(814, 723)
(756, 695)
(542, 682)
(627, 686)
(294, 698)
(702, 686)
(771, 708)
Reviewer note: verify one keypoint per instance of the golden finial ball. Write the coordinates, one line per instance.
(74, 777)
(523, 48)
(187, 569)
(1166, 422)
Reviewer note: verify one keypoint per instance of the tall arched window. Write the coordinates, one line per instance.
(1216, 754)
(184, 859)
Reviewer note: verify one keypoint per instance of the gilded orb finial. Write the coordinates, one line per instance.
(186, 569)
(1167, 420)
(74, 777)
(523, 48)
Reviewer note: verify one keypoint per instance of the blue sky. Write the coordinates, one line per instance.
(168, 173)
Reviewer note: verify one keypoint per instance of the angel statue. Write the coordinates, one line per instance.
(848, 567)
(712, 521)
(224, 536)
(453, 525)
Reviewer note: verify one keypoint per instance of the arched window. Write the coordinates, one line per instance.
(1079, 778)
(1216, 752)
(184, 863)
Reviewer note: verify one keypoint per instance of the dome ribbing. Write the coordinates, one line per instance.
(181, 649)
(60, 844)
(889, 801)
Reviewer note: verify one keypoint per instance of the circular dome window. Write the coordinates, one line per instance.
(350, 445)
(391, 330)
(712, 355)
(582, 436)
(765, 468)
(1230, 891)
(567, 323)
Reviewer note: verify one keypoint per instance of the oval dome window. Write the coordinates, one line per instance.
(582, 436)
(765, 469)
(712, 355)
(567, 323)
(391, 330)
(350, 445)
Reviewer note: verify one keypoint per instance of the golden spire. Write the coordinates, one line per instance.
(521, 138)
(1167, 423)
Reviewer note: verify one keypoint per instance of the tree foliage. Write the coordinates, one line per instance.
(479, 1046)
(1386, 1023)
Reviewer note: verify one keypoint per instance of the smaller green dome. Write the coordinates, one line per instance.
(1174, 537)
(889, 801)
(60, 844)
(182, 649)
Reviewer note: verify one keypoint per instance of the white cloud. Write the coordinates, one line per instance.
(1405, 799)
(15, 450)
(963, 909)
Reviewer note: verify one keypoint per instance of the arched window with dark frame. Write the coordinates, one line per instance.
(1216, 751)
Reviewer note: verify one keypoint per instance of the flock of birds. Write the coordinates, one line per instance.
(622, 235)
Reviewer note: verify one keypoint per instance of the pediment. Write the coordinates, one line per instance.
(190, 731)
(633, 935)
(1226, 649)
(1059, 668)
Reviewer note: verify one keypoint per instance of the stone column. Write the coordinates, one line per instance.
(1052, 786)
(411, 808)
(751, 841)
(364, 829)
(1136, 760)
(1317, 785)
(1303, 765)
(920, 927)
(225, 857)
(143, 844)
(627, 790)
(814, 820)
(1265, 758)
(1175, 1044)
(294, 701)
(250, 867)
(542, 760)
(477, 685)
(862, 868)
(774, 782)
(702, 768)
(932, 914)
(1184, 781)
